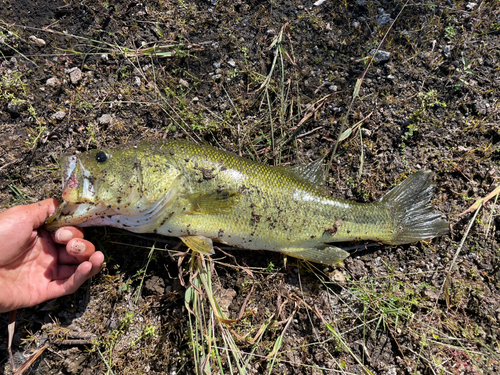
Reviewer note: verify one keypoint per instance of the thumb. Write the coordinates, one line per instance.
(40, 211)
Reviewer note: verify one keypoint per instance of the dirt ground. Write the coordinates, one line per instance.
(277, 82)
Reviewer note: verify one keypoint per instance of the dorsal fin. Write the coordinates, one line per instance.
(312, 172)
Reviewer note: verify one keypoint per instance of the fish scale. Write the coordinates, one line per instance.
(201, 194)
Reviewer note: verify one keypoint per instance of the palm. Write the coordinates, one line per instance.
(38, 269)
(34, 268)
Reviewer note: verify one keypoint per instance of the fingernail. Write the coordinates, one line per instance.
(78, 247)
(64, 235)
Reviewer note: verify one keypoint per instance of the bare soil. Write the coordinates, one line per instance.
(81, 75)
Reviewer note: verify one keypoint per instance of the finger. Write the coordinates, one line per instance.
(97, 260)
(65, 234)
(40, 211)
(73, 277)
(70, 284)
(76, 251)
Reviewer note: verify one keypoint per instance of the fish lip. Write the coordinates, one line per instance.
(77, 183)
(74, 214)
(77, 204)
(69, 166)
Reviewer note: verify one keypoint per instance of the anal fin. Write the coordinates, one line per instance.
(200, 244)
(328, 255)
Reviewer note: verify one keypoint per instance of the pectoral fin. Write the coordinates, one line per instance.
(328, 255)
(201, 244)
(213, 203)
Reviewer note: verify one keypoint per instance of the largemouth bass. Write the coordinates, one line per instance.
(201, 194)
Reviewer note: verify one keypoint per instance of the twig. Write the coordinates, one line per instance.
(458, 251)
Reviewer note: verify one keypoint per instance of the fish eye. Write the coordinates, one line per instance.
(101, 157)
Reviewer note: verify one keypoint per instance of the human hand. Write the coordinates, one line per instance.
(36, 265)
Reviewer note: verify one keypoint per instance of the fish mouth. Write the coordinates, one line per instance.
(77, 205)
(75, 214)
(77, 183)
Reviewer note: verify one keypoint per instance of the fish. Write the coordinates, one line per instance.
(203, 195)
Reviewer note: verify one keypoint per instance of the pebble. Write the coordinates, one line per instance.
(231, 63)
(105, 119)
(216, 65)
(17, 106)
(319, 2)
(366, 133)
(381, 56)
(53, 82)
(447, 51)
(184, 83)
(59, 115)
(471, 6)
(337, 276)
(39, 42)
(75, 76)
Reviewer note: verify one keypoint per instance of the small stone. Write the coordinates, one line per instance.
(471, 6)
(75, 76)
(447, 51)
(137, 81)
(104, 57)
(39, 42)
(184, 83)
(232, 63)
(271, 32)
(337, 276)
(333, 88)
(105, 119)
(383, 19)
(357, 268)
(366, 132)
(381, 56)
(216, 65)
(432, 295)
(17, 106)
(154, 285)
(59, 115)
(356, 24)
(53, 82)
(195, 99)
(224, 297)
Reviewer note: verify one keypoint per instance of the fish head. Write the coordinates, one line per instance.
(102, 185)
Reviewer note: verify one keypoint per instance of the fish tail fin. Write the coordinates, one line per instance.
(414, 216)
